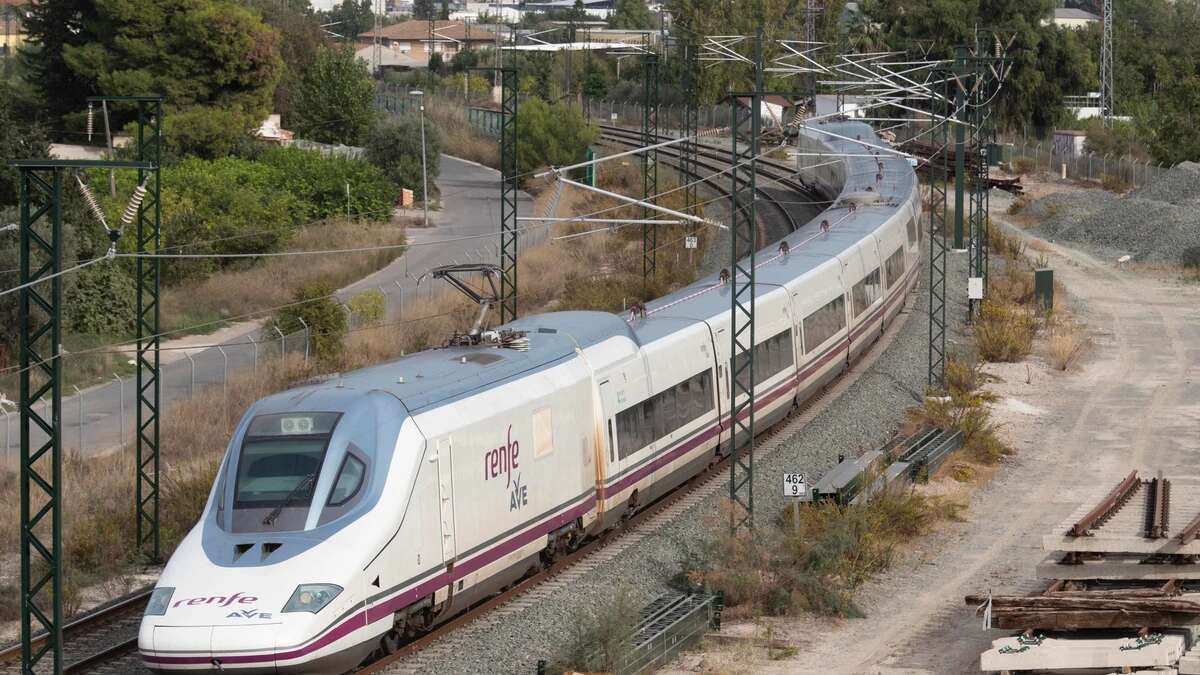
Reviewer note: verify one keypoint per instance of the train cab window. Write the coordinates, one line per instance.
(912, 232)
(278, 468)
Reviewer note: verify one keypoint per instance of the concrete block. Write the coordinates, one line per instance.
(1059, 654)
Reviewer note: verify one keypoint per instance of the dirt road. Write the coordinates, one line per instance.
(1130, 403)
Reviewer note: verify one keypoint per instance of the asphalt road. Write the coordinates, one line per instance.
(103, 418)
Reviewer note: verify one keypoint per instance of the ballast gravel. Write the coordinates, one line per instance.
(1152, 224)
(865, 416)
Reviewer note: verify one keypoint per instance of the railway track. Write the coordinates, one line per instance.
(780, 177)
(105, 639)
(94, 642)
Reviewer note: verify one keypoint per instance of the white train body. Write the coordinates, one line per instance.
(417, 487)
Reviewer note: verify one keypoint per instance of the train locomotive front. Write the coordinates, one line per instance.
(272, 579)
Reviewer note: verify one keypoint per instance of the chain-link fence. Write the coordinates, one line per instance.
(1114, 171)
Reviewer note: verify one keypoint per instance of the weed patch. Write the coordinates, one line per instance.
(819, 562)
(1004, 331)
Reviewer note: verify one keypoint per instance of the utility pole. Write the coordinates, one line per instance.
(377, 40)
(649, 165)
(960, 142)
(746, 133)
(508, 195)
(1106, 63)
(941, 109)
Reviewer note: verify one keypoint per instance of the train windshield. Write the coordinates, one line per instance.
(281, 460)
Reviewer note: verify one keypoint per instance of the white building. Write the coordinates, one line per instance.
(1075, 19)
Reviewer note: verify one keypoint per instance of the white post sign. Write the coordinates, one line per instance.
(794, 485)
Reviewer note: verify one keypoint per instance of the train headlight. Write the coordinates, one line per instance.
(160, 600)
(312, 597)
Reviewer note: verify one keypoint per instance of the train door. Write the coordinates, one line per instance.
(445, 465)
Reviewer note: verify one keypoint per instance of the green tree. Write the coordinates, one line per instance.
(194, 52)
(551, 134)
(394, 145)
(334, 103)
(51, 27)
(300, 37)
(18, 139)
(631, 14)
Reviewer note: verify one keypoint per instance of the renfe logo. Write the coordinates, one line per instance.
(502, 460)
(218, 600)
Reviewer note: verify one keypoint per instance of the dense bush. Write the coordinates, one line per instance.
(315, 305)
(232, 205)
(101, 301)
(207, 133)
(319, 181)
(394, 145)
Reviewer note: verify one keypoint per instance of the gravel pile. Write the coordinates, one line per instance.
(867, 415)
(1154, 223)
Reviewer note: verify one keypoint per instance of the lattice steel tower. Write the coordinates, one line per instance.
(1106, 63)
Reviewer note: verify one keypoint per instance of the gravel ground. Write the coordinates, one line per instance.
(866, 415)
(1152, 224)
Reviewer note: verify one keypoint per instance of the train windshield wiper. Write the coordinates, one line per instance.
(303, 486)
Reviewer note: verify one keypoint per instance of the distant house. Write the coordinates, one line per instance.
(407, 42)
(1075, 19)
(12, 31)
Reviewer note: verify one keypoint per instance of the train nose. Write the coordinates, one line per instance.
(246, 648)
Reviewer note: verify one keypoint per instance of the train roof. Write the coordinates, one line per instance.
(438, 375)
(707, 297)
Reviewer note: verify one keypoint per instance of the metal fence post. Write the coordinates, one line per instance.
(1104, 166)
(79, 400)
(224, 373)
(282, 344)
(254, 344)
(121, 384)
(7, 433)
(192, 382)
(306, 337)
(401, 288)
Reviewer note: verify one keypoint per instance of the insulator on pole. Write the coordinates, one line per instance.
(90, 198)
(91, 120)
(135, 202)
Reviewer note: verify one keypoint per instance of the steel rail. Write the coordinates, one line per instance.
(1111, 503)
(86, 623)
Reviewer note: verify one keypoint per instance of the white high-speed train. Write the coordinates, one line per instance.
(350, 513)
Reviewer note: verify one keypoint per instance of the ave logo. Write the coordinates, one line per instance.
(519, 498)
(248, 614)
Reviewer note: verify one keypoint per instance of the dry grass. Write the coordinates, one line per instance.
(1065, 343)
(1004, 331)
(273, 281)
(963, 406)
(459, 137)
(819, 563)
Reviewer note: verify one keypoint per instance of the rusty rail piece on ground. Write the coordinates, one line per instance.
(1111, 503)
(1191, 531)
(1158, 511)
